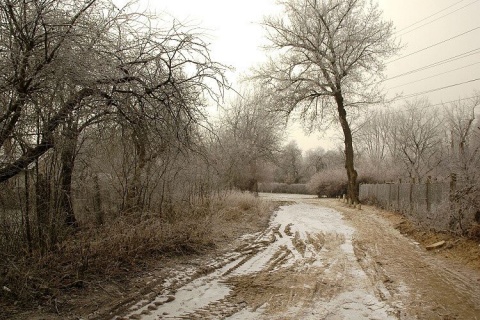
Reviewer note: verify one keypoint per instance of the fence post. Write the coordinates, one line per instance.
(427, 191)
(398, 193)
(410, 200)
(389, 199)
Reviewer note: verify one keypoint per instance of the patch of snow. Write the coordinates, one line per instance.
(139, 304)
(313, 219)
(193, 296)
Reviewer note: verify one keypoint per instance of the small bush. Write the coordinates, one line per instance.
(334, 182)
(329, 183)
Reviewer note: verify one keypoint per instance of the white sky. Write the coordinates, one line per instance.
(236, 37)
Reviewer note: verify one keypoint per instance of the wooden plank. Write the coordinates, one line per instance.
(436, 245)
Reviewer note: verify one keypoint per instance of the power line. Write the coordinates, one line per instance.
(391, 112)
(435, 75)
(438, 63)
(434, 45)
(432, 15)
(413, 95)
(442, 103)
(445, 15)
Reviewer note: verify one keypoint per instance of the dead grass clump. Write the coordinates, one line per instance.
(242, 200)
(239, 212)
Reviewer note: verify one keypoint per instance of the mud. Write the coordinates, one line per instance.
(318, 259)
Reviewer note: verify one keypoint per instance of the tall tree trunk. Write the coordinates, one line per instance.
(67, 158)
(352, 190)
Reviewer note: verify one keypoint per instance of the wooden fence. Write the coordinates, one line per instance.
(407, 196)
(425, 203)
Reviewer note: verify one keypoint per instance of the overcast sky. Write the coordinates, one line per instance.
(450, 27)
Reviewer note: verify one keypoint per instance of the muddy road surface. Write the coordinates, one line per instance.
(317, 260)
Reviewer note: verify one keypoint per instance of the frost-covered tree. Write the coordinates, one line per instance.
(290, 163)
(418, 136)
(314, 161)
(460, 121)
(249, 137)
(69, 65)
(463, 160)
(327, 57)
(374, 138)
(65, 61)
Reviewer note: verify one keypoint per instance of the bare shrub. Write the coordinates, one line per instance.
(330, 183)
(374, 172)
(465, 208)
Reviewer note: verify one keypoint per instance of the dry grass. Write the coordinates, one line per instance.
(124, 246)
(238, 213)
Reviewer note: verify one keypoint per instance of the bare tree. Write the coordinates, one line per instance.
(460, 123)
(68, 67)
(314, 161)
(290, 163)
(249, 136)
(463, 162)
(328, 59)
(374, 137)
(417, 133)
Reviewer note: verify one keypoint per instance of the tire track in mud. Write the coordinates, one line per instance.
(425, 286)
(303, 266)
(206, 278)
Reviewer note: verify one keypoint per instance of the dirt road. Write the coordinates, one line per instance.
(318, 260)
